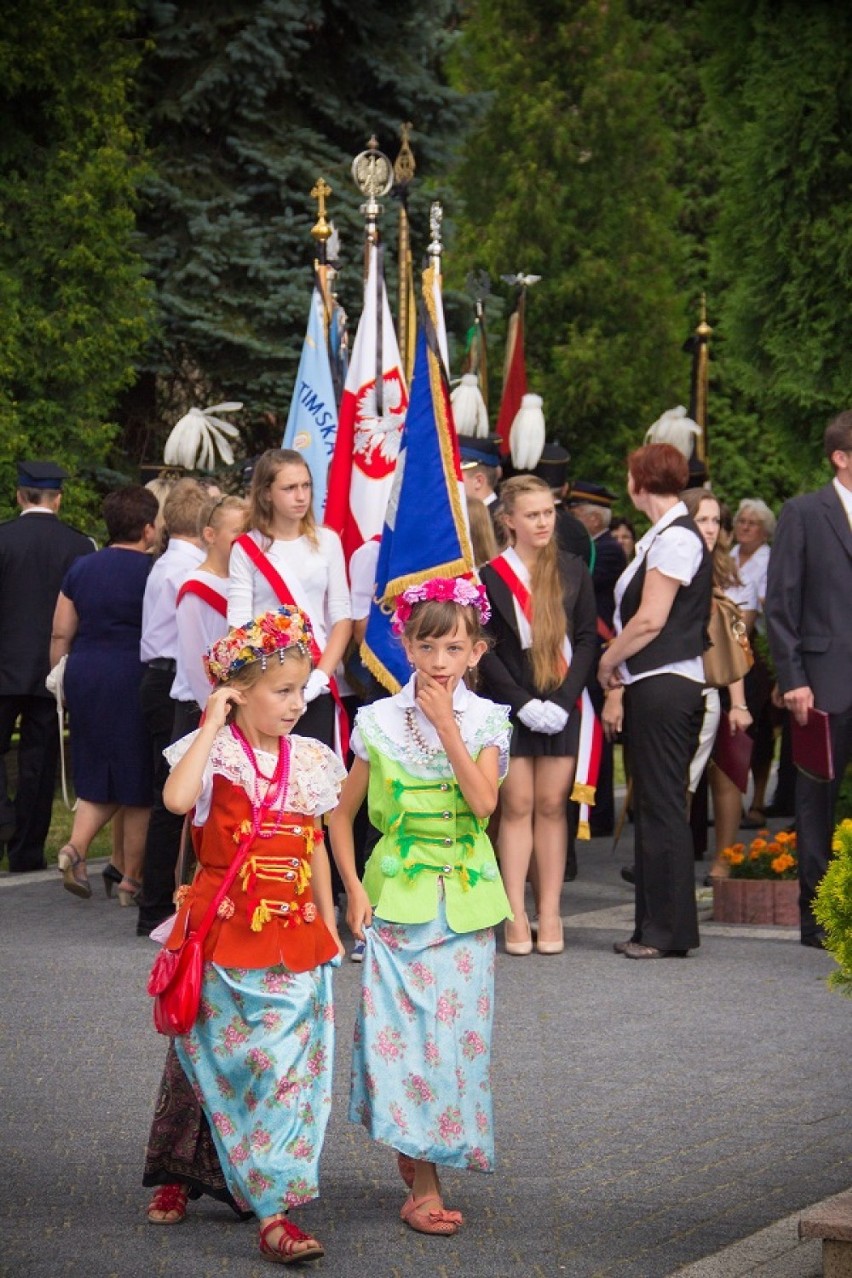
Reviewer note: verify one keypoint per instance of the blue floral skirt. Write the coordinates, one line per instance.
(421, 1066)
(259, 1059)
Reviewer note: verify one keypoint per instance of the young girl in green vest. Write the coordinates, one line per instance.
(429, 760)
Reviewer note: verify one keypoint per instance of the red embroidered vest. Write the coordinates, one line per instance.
(275, 919)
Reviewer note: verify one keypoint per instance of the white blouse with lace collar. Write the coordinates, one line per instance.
(385, 724)
(316, 773)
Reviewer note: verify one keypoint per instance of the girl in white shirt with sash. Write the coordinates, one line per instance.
(285, 558)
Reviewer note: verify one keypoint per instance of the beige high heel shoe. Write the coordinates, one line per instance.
(552, 947)
(129, 895)
(518, 947)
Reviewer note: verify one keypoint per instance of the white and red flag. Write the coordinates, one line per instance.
(372, 413)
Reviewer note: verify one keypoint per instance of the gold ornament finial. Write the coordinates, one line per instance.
(404, 165)
(321, 229)
(703, 329)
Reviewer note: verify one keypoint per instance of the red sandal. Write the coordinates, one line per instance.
(169, 1198)
(283, 1252)
(430, 1220)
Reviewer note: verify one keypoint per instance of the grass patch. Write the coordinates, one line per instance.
(61, 821)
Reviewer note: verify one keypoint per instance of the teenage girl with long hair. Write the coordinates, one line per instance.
(284, 557)
(544, 630)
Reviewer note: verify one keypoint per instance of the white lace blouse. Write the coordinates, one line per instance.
(481, 722)
(316, 773)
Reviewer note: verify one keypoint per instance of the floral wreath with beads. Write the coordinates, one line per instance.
(444, 590)
(277, 631)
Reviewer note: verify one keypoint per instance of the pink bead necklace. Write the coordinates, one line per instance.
(276, 785)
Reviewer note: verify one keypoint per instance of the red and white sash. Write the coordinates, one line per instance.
(285, 595)
(217, 601)
(512, 571)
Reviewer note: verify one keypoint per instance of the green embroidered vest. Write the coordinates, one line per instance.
(428, 833)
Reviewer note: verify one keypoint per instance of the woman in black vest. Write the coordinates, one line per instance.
(662, 607)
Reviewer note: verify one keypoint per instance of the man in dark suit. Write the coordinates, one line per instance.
(592, 505)
(808, 613)
(36, 549)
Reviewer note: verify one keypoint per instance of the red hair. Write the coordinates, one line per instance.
(659, 469)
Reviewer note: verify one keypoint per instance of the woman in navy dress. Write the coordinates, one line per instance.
(98, 623)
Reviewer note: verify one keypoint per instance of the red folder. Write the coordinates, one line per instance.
(732, 753)
(811, 744)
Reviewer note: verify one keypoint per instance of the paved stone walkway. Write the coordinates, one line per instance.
(650, 1115)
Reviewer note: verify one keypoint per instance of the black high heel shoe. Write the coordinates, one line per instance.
(111, 877)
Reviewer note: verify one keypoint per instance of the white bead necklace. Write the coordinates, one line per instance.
(419, 746)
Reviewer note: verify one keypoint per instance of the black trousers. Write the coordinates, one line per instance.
(38, 752)
(663, 716)
(164, 828)
(816, 802)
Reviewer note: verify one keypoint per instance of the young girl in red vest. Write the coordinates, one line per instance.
(284, 557)
(545, 644)
(202, 607)
(259, 1056)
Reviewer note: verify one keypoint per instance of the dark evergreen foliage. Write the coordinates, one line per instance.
(248, 102)
(780, 85)
(568, 175)
(75, 306)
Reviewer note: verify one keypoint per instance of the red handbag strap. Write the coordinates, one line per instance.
(234, 868)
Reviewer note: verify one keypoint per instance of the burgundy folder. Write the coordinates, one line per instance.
(811, 744)
(732, 753)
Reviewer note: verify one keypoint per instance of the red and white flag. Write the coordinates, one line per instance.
(372, 413)
(514, 376)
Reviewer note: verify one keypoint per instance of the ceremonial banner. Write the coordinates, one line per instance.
(312, 421)
(514, 376)
(425, 532)
(372, 413)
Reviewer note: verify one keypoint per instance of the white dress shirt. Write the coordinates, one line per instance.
(159, 615)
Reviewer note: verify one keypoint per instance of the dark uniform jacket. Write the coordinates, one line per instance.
(36, 551)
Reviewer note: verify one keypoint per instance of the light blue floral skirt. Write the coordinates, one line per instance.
(421, 1066)
(259, 1059)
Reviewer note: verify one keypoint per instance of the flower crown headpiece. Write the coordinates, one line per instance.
(445, 590)
(257, 640)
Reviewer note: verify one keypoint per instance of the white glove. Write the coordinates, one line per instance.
(555, 717)
(531, 715)
(317, 684)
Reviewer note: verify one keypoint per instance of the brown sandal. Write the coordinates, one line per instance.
(169, 1198)
(418, 1215)
(70, 865)
(283, 1252)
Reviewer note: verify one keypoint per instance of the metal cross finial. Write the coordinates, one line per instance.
(321, 229)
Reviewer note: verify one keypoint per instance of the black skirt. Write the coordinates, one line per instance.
(526, 744)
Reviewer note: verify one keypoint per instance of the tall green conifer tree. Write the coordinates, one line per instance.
(248, 103)
(780, 85)
(567, 176)
(75, 306)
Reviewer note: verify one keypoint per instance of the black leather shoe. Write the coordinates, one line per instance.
(816, 940)
(628, 874)
(633, 950)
